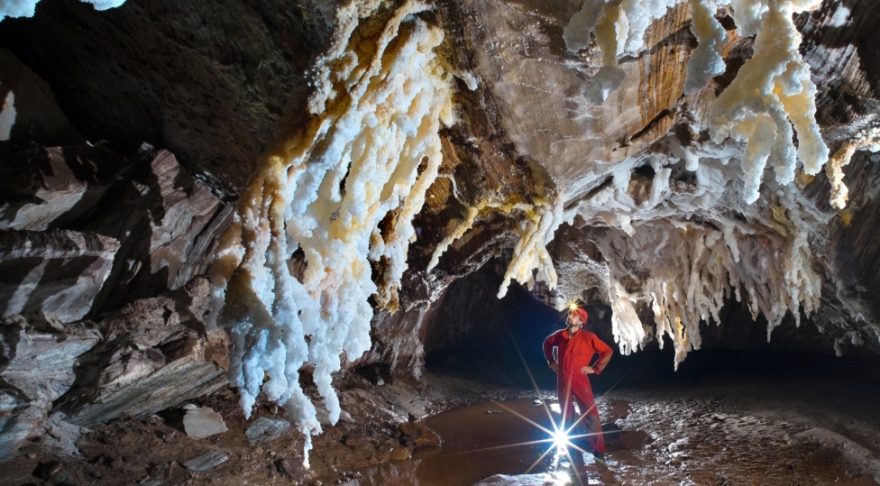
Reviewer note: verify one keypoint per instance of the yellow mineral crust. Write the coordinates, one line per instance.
(867, 140)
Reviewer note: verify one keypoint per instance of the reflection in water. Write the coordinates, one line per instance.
(478, 444)
(650, 439)
(393, 473)
(733, 430)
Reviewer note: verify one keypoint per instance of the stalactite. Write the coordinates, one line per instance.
(367, 157)
(771, 99)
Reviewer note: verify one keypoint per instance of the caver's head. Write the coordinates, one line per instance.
(577, 317)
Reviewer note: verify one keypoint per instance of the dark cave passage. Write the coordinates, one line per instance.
(481, 338)
(732, 413)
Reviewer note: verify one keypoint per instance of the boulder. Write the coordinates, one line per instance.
(265, 429)
(417, 435)
(157, 354)
(206, 461)
(202, 422)
(54, 275)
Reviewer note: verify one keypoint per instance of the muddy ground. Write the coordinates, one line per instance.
(731, 429)
(730, 433)
(380, 423)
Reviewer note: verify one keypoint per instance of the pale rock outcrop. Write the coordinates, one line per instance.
(49, 187)
(166, 220)
(152, 353)
(54, 275)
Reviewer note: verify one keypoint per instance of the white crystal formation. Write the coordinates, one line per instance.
(695, 246)
(771, 99)
(27, 8)
(367, 157)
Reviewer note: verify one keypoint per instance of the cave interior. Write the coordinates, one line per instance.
(324, 241)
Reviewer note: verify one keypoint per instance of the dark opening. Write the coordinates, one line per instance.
(479, 337)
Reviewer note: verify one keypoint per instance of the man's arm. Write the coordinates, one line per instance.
(605, 353)
(549, 343)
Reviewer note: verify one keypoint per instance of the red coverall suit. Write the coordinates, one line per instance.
(576, 352)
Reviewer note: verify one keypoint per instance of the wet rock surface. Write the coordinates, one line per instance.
(732, 429)
(707, 441)
(728, 432)
(385, 425)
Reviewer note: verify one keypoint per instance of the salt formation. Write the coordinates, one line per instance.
(463, 227)
(712, 248)
(367, 157)
(626, 327)
(530, 252)
(771, 93)
(707, 61)
(531, 261)
(702, 263)
(619, 27)
(702, 266)
(693, 252)
(27, 8)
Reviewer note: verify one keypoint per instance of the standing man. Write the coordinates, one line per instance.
(576, 350)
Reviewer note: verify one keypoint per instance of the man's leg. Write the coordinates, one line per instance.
(591, 420)
(570, 420)
(566, 403)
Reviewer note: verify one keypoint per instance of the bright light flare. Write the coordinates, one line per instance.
(572, 306)
(561, 439)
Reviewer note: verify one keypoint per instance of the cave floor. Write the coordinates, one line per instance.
(726, 434)
(729, 430)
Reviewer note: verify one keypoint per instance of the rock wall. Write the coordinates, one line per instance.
(37, 367)
(103, 315)
(209, 82)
